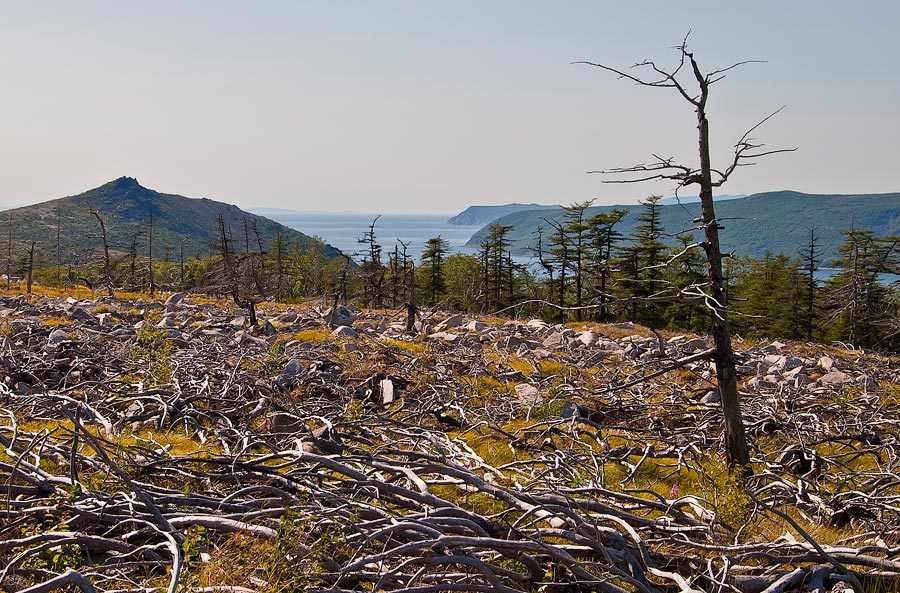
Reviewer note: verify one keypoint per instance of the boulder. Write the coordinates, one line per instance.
(57, 337)
(834, 378)
(826, 363)
(174, 301)
(345, 332)
(79, 314)
(476, 326)
(451, 322)
(587, 338)
(696, 344)
(443, 336)
(711, 397)
(340, 315)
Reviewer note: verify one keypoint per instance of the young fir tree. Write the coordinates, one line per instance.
(859, 305)
(604, 241)
(496, 267)
(432, 268)
(642, 261)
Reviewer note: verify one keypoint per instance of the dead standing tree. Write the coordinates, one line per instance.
(682, 79)
(107, 273)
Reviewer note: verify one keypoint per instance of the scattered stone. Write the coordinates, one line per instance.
(166, 322)
(587, 338)
(57, 337)
(826, 363)
(341, 315)
(174, 301)
(451, 322)
(711, 397)
(834, 378)
(555, 340)
(345, 331)
(443, 336)
(476, 326)
(79, 314)
(695, 345)
(528, 394)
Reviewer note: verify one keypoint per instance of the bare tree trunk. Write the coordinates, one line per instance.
(150, 254)
(726, 374)
(107, 273)
(9, 251)
(30, 270)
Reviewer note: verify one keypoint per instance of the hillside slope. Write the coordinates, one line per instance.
(777, 221)
(126, 206)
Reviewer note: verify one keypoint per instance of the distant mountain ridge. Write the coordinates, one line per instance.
(481, 215)
(126, 206)
(772, 221)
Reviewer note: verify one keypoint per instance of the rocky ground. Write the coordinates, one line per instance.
(163, 446)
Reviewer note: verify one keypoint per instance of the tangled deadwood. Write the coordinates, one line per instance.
(239, 462)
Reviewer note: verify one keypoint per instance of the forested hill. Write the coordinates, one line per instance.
(126, 206)
(474, 215)
(773, 221)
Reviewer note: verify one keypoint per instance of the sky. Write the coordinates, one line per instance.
(420, 106)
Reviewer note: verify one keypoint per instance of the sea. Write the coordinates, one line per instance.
(345, 230)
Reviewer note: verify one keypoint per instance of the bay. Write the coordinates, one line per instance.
(345, 229)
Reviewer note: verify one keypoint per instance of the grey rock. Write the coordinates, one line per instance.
(528, 394)
(834, 378)
(267, 329)
(174, 301)
(587, 338)
(289, 377)
(79, 314)
(476, 326)
(451, 322)
(166, 322)
(341, 315)
(443, 336)
(696, 344)
(538, 324)
(345, 331)
(711, 397)
(292, 369)
(554, 340)
(57, 337)
(792, 362)
(514, 342)
(826, 363)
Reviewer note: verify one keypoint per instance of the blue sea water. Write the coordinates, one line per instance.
(344, 230)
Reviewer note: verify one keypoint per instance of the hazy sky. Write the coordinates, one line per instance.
(421, 106)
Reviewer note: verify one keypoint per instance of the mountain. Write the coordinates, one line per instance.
(481, 215)
(693, 199)
(126, 206)
(773, 221)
